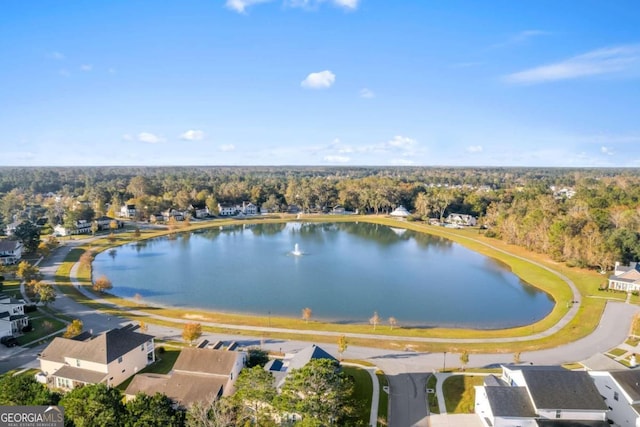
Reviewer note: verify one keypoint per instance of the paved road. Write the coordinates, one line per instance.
(407, 371)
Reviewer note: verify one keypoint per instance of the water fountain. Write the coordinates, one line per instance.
(296, 250)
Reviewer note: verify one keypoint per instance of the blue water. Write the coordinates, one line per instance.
(345, 273)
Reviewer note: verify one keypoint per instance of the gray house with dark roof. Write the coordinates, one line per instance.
(281, 368)
(531, 396)
(108, 358)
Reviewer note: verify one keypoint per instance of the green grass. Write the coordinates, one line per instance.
(632, 341)
(459, 394)
(42, 326)
(163, 365)
(617, 352)
(383, 401)
(363, 388)
(432, 398)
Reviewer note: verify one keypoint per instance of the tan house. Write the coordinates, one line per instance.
(109, 358)
(198, 374)
(625, 278)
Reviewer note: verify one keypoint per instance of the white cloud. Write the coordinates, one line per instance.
(402, 162)
(313, 4)
(320, 80)
(227, 147)
(606, 150)
(474, 148)
(347, 4)
(149, 138)
(367, 93)
(241, 6)
(609, 60)
(127, 137)
(336, 159)
(86, 67)
(401, 142)
(56, 55)
(193, 135)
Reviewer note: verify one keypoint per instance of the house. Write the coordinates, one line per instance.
(280, 368)
(81, 226)
(198, 374)
(10, 228)
(227, 210)
(248, 208)
(12, 317)
(338, 210)
(128, 211)
(10, 251)
(621, 391)
(156, 217)
(108, 358)
(199, 210)
(625, 278)
(540, 396)
(173, 213)
(400, 212)
(104, 223)
(461, 219)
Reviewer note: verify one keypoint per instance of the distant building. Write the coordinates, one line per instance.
(12, 317)
(281, 368)
(400, 212)
(621, 391)
(461, 219)
(128, 211)
(625, 278)
(10, 251)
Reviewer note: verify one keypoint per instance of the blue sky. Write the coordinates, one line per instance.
(320, 82)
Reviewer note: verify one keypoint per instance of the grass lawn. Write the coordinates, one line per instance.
(617, 352)
(363, 387)
(42, 326)
(432, 398)
(383, 401)
(163, 365)
(459, 394)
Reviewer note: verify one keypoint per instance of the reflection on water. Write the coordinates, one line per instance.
(348, 271)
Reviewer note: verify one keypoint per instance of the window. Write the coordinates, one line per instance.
(120, 359)
(78, 363)
(558, 413)
(615, 395)
(142, 347)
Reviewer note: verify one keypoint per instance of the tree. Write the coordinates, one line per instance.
(102, 284)
(254, 392)
(46, 293)
(156, 410)
(256, 357)
(136, 232)
(464, 359)
(191, 332)
(374, 320)
(25, 390)
(29, 233)
(318, 391)
(143, 326)
(212, 412)
(74, 328)
(94, 227)
(342, 345)
(94, 405)
(393, 322)
(87, 258)
(28, 272)
(516, 357)
(306, 314)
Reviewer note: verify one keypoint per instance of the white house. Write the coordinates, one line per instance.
(10, 228)
(227, 210)
(199, 210)
(198, 374)
(540, 396)
(625, 278)
(12, 317)
(109, 358)
(10, 251)
(104, 223)
(461, 219)
(248, 208)
(82, 226)
(173, 213)
(128, 211)
(621, 391)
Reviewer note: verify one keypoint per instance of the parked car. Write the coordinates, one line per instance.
(9, 341)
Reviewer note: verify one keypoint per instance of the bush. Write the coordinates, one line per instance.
(160, 350)
(27, 328)
(30, 308)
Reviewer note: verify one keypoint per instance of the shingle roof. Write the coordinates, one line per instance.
(305, 355)
(206, 361)
(104, 348)
(629, 381)
(572, 423)
(8, 245)
(510, 402)
(183, 388)
(563, 389)
(82, 375)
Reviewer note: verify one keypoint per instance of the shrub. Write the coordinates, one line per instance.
(160, 350)
(30, 308)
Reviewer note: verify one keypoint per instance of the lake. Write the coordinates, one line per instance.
(344, 273)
